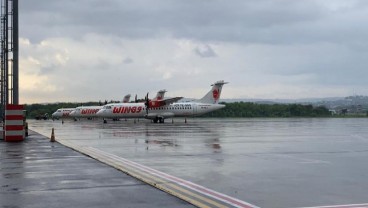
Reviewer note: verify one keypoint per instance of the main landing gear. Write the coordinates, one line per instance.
(158, 120)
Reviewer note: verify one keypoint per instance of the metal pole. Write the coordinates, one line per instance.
(2, 54)
(2, 60)
(6, 50)
(15, 54)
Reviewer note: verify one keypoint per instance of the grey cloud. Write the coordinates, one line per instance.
(267, 21)
(48, 69)
(325, 40)
(128, 61)
(205, 51)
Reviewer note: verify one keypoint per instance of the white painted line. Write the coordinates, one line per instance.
(14, 122)
(303, 160)
(203, 190)
(190, 185)
(14, 133)
(14, 112)
(343, 206)
(311, 161)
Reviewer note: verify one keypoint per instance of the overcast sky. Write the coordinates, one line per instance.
(90, 50)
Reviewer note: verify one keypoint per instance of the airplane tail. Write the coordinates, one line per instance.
(213, 96)
(160, 95)
(126, 98)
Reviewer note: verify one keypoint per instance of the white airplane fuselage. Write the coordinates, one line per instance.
(62, 113)
(85, 111)
(159, 110)
(138, 110)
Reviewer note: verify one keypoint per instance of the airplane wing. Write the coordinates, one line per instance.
(168, 101)
(163, 102)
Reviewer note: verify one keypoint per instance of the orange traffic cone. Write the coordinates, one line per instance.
(52, 139)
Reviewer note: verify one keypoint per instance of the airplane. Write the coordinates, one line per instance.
(89, 112)
(158, 111)
(126, 98)
(62, 112)
(160, 95)
(85, 112)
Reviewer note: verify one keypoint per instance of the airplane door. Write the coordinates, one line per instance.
(194, 109)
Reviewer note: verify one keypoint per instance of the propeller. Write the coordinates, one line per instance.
(146, 103)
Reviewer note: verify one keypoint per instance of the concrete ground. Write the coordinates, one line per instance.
(270, 163)
(38, 173)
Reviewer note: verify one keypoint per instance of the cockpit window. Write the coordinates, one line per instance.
(107, 107)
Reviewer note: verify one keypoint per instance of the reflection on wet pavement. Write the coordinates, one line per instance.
(268, 162)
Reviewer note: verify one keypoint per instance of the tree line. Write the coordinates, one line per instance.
(34, 110)
(237, 109)
(248, 110)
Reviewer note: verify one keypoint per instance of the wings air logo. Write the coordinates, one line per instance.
(133, 109)
(216, 94)
(89, 111)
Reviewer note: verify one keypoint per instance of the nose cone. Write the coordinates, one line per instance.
(54, 114)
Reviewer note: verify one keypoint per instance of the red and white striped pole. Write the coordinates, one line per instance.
(14, 126)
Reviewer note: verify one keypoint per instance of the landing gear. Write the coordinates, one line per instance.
(104, 121)
(158, 120)
(161, 120)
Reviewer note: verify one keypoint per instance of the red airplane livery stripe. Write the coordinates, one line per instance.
(129, 109)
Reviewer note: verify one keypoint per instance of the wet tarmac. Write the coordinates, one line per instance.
(38, 173)
(266, 162)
